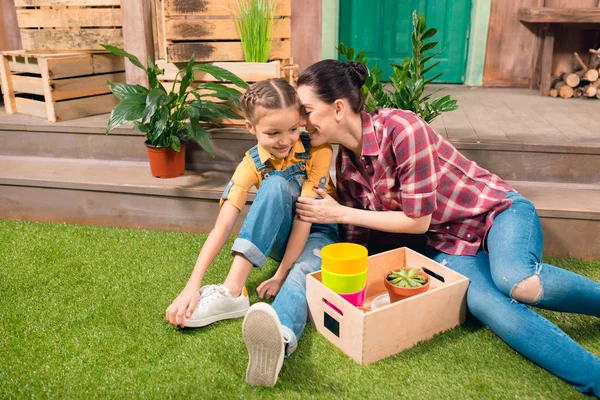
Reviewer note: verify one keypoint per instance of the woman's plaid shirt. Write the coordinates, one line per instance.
(407, 166)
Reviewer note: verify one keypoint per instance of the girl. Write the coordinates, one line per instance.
(283, 165)
(395, 174)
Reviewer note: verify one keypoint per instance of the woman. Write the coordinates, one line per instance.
(396, 174)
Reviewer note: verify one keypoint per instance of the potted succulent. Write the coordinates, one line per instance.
(405, 282)
(171, 118)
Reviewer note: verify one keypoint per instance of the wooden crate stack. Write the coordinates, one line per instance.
(69, 25)
(207, 28)
(57, 86)
(62, 71)
(584, 83)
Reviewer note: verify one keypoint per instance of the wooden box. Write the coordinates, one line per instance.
(59, 87)
(207, 28)
(370, 336)
(68, 25)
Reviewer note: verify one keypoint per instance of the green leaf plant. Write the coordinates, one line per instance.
(407, 278)
(408, 82)
(170, 118)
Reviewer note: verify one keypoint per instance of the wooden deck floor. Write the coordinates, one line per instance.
(485, 115)
(519, 116)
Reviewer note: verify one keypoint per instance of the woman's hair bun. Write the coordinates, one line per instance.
(358, 72)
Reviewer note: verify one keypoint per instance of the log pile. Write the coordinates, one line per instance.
(584, 83)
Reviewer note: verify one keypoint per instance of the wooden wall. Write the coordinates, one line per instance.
(10, 39)
(508, 58)
(137, 36)
(513, 48)
(306, 32)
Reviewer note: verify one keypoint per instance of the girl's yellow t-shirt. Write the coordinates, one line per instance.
(246, 175)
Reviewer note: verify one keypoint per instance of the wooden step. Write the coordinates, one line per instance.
(108, 193)
(570, 217)
(85, 139)
(561, 200)
(124, 194)
(537, 163)
(229, 146)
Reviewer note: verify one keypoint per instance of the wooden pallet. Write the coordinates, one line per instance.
(249, 72)
(69, 25)
(207, 28)
(59, 87)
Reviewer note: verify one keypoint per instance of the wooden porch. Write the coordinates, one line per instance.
(519, 116)
(549, 149)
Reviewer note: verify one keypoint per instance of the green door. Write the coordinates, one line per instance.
(383, 28)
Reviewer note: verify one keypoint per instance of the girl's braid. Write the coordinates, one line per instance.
(273, 93)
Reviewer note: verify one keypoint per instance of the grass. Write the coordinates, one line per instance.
(82, 316)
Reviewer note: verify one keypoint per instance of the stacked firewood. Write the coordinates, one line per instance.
(584, 83)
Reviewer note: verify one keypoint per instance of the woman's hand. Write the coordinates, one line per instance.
(270, 287)
(183, 305)
(323, 211)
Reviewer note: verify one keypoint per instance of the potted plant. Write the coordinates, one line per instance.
(409, 83)
(170, 118)
(254, 22)
(405, 282)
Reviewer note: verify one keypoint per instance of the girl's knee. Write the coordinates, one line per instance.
(275, 190)
(274, 182)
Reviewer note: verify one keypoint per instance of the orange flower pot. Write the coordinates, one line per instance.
(166, 162)
(398, 293)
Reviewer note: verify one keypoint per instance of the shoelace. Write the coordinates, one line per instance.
(211, 293)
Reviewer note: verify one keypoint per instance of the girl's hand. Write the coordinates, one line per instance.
(183, 305)
(323, 211)
(270, 287)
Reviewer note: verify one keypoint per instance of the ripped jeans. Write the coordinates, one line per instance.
(265, 232)
(497, 294)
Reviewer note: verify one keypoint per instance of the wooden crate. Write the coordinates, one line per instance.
(207, 28)
(249, 72)
(59, 87)
(370, 336)
(69, 25)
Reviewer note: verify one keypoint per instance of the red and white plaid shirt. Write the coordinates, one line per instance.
(413, 169)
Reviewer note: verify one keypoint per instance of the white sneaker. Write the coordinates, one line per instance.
(262, 333)
(216, 304)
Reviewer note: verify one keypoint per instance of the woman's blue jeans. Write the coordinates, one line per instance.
(515, 245)
(265, 232)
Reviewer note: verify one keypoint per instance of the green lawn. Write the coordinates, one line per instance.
(82, 316)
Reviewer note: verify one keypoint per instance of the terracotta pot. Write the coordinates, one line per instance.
(398, 293)
(166, 162)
